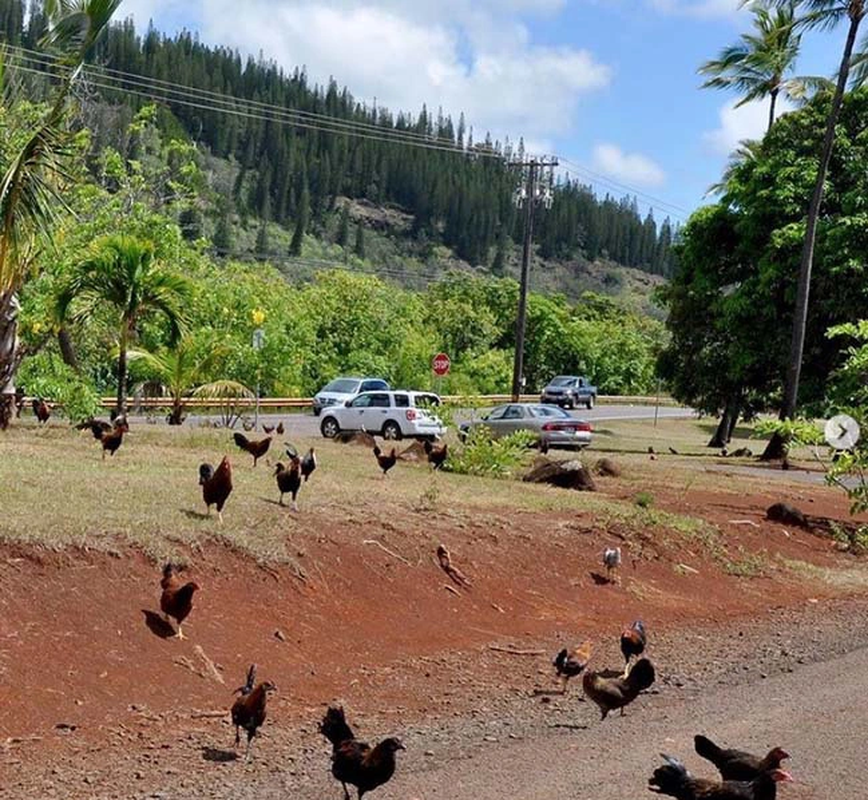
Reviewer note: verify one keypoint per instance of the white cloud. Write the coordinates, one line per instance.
(750, 121)
(632, 168)
(474, 56)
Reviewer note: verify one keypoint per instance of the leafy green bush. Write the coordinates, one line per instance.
(45, 375)
(644, 499)
(483, 455)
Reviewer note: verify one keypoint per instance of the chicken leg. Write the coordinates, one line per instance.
(180, 633)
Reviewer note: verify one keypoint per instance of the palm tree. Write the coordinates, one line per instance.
(758, 65)
(182, 373)
(824, 14)
(122, 272)
(32, 165)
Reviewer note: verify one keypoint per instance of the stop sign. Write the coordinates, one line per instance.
(441, 364)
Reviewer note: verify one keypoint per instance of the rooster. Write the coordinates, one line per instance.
(97, 427)
(571, 663)
(269, 429)
(612, 693)
(248, 711)
(216, 485)
(280, 429)
(41, 410)
(673, 780)
(113, 439)
(354, 762)
(633, 641)
(308, 464)
(386, 462)
(736, 765)
(436, 455)
(289, 481)
(611, 561)
(177, 598)
(256, 449)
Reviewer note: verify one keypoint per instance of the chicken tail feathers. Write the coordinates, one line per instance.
(670, 778)
(560, 660)
(706, 748)
(642, 675)
(241, 440)
(334, 726)
(377, 451)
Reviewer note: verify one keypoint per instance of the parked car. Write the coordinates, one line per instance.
(392, 415)
(554, 426)
(338, 391)
(569, 391)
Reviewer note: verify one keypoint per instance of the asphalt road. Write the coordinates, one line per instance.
(306, 425)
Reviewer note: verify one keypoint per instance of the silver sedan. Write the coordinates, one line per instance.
(554, 426)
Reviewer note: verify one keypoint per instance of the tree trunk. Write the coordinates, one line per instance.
(772, 103)
(176, 416)
(67, 351)
(800, 316)
(122, 381)
(10, 356)
(728, 420)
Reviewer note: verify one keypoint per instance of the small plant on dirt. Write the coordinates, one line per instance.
(745, 564)
(644, 499)
(853, 539)
(427, 501)
(483, 455)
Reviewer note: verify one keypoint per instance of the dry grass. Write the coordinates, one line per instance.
(58, 492)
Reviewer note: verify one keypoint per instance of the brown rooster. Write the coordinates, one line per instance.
(674, 780)
(386, 462)
(216, 485)
(436, 455)
(256, 449)
(176, 600)
(97, 427)
(268, 428)
(113, 439)
(736, 765)
(41, 410)
(289, 481)
(248, 711)
(612, 693)
(571, 663)
(354, 762)
(633, 641)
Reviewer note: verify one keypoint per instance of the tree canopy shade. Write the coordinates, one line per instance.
(731, 300)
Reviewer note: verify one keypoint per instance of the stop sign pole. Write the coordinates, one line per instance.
(440, 365)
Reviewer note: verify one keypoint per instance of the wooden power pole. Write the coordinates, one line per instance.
(528, 196)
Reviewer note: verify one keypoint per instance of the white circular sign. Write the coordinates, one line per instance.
(842, 432)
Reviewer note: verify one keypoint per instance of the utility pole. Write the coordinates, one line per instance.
(537, 188)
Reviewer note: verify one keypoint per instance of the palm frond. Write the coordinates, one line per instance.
(223, 390)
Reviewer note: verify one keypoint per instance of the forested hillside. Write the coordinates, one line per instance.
(292, 171)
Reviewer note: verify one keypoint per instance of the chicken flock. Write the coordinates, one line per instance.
(356, 763)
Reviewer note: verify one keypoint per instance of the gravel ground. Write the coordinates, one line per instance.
(797, 678)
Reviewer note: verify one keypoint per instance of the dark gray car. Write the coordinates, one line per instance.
(554, 426)
(569, 391)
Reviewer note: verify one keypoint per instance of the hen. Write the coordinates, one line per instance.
(289, 481)
(436, 455)
(736, 765)
(248, 711)
(41, 410)
(633, 640)
(673, 780)
(113, 439)
(354, 762)
(256, 448)
(176, 600)
(612, 693)
(280, 429)
(216, 485)
(571, 663)
(386, 462)
(268, 428)
(611, 561)
(308, 464)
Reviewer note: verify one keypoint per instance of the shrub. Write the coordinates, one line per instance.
(45, 375)
(484, 455)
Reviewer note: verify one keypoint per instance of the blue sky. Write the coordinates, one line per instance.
(609, 85)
